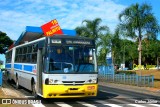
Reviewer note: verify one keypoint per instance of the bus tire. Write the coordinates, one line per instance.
(17, 82)
(34, 93)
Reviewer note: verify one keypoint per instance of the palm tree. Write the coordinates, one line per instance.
(137, 21)
(104, 42)
(91, 28)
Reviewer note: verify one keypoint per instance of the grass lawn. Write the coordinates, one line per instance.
(156, 74)
(157, 84)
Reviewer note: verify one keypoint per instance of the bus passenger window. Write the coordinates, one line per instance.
(17, 55)
(34, 58)
(24, 50)
(19, 58)
(9, 57)
(35, 48)
(16, 58)
(6, 57)
(28, 56)
(20, 51)
(24, 58)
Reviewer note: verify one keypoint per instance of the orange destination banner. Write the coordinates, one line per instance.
(51, 28)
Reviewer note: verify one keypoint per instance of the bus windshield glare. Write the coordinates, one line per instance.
(71, 59)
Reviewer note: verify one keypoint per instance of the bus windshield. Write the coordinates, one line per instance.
(71, 59)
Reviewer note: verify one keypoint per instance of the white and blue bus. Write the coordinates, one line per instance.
(59, 66)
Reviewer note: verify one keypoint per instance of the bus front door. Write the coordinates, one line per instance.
(39, 69)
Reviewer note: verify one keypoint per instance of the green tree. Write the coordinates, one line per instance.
(116, 46)
(92, 28)
(104, 44)
(151, 50)
(5, 42)
(123, 50)
(137, 21)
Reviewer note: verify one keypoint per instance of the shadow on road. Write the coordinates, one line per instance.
(101, 96)
(105, 95)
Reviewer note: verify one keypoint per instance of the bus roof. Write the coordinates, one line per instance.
(32, 33)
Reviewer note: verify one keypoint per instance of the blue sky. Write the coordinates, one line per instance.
(16, 15)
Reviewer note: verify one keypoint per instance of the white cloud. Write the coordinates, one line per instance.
(15, 16)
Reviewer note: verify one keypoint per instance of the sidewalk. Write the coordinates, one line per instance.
(145, 90)
(7, 91)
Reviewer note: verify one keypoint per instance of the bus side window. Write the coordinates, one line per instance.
(9, 57)
(20, 51)
(19, 55)
(34, 53)
(35, 48)
(29, 50)
(24, 51)
(34, 57)
(29, 54)
(19, 58)
(28, 58)
(16, 55)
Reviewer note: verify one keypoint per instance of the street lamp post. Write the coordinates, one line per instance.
(124, 57)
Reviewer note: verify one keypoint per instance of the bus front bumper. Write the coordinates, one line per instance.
(66, 91)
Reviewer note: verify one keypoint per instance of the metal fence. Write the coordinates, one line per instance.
(103, 70)
(107, 74)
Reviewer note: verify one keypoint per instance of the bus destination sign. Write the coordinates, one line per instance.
(82, 42)
(51, 28)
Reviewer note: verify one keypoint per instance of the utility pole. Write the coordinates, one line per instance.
(123, 65)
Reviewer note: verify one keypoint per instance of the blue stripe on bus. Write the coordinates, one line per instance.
(8, 65)
(18, 66)
(28, 68)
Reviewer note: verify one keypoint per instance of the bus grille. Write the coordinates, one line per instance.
(72, 94)
(73, 82)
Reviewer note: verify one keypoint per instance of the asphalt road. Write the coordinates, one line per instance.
(107, 97)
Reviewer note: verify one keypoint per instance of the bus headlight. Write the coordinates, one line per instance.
(92, 81)
(50, 81)
(55, 81)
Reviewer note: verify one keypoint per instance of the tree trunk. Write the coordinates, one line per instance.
(140, 51)
(140, 45)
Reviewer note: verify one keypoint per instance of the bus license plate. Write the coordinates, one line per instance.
(91, 87)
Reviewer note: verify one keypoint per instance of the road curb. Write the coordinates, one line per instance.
(145, 90)
(153, 89)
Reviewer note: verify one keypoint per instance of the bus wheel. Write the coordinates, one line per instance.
(17, 83)
(34, 93)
